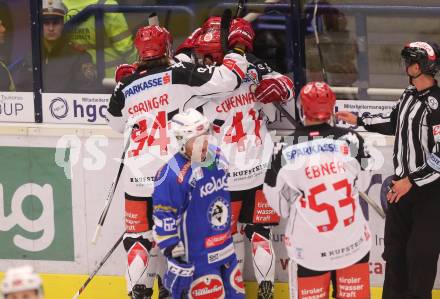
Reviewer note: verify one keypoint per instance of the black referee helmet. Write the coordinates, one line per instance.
(426, 54)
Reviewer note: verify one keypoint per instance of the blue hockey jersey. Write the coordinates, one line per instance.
(192, 205)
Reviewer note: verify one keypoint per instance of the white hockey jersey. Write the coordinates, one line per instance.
(148, 99)
(240, 125)
(317, 190)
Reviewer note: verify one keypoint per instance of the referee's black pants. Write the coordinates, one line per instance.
(412, 244)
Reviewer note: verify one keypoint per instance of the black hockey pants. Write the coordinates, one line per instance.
(412, 244)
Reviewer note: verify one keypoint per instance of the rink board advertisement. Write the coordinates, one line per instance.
(361, 107)
(35, 206)
(17, 107)
(357, 107)
(74, 108)
(79, 175)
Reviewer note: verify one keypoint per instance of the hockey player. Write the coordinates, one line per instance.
(314, 183)
(124, 70)
(192, 216)
(21, 283)
(240, 119)
(412, 225)
(146, 101)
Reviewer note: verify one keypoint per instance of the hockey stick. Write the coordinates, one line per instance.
(224, 40)
(239, 8)
(153, 19)
(110, 195)
(363, 195)
(224, 29)
(318, 43)
(89, 279)
(373, 204)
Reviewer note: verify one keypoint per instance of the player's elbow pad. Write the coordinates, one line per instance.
(236, 63)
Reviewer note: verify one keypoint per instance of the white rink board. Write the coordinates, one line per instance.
(16, 106)
(89, 190)
(72, 108)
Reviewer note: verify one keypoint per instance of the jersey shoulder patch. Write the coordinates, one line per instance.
(433, 99)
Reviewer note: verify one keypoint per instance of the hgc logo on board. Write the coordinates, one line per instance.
(44, 224)
(35, 206)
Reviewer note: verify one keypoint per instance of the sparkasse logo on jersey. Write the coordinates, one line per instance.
(147, 82)
(311, 148)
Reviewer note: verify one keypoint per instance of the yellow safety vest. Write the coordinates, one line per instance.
(118, 45)
(11, 82)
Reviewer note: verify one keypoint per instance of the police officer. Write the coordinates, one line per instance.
(412, 226)
(118, 45)
(65, 69)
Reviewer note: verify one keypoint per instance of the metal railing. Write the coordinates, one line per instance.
(370, 91)
(361, 14)
(277, 17)
(290, 20)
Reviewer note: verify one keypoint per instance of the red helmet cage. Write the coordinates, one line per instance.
(317, 101)
(153, 42)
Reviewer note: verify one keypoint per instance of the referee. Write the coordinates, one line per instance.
(412, 226)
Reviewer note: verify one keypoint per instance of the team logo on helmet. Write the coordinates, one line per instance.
(208, 37)
(307, 88)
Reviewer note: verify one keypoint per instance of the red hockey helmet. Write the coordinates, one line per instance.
(153, 42)
(317, 101)
(212, 23)
(208, 42)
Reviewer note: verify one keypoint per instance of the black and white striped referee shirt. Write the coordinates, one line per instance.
(415, 122)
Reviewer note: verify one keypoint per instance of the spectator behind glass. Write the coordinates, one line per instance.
(339, 48)
(6, 82)
(64, 68)
(118, 40)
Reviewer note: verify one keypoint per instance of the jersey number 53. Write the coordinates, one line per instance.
(328, 208)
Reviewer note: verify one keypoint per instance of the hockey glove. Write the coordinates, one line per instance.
(124, 70)
(241, 32)
(271, 90)
(178, 277)
(174, 251)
